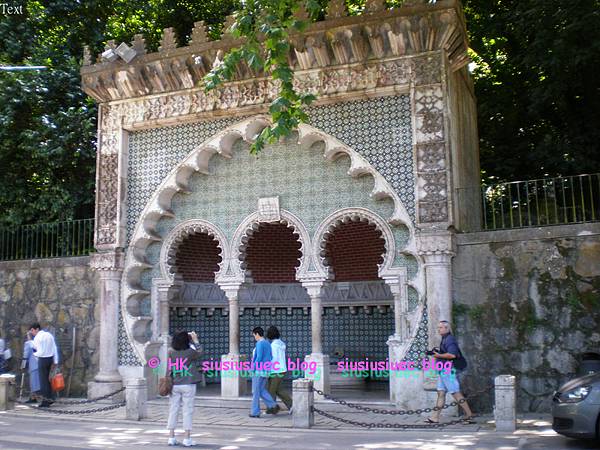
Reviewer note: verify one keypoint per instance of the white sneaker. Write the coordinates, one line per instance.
(173, 441)
(188, 443)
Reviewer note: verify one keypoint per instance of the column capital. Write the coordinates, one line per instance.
(107, 261)
(314, 287)
(231, 288)
(396, 279)
(438, 247)
(165, 286)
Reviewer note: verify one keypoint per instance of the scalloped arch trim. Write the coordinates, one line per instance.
(177, 181)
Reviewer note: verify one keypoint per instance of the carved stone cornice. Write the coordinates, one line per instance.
(107, 261)
(325, 83)
(377, 34)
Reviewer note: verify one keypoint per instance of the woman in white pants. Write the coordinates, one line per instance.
(184, 365)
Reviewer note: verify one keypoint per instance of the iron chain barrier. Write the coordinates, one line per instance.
(86, 411)
(86, 401)
(394, 412)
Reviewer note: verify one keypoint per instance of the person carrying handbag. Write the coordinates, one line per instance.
(184, 366)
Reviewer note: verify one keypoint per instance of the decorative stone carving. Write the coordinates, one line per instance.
(87, 56)
(379, 33)
(168, 40)
(373, 6)
(431, 157)
(199, 35)
(139, 44)
(393, 73)
(301, 13)
(227, 28)
(427, 69)
(326, 229)
(106, 227)
(433, 211)
(278, 295)
(436, 244)
(159, 206)
(180, 233)
(103, 261)
(432, 181)
(336, 9)
(268, 209)
(429, 112)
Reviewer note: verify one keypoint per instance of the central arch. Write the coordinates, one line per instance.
(146, 232)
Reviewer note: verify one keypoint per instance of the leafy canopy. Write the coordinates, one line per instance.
(266, 26)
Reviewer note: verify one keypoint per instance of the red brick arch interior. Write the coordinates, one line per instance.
(273, 254)
(354, 251)
(197, 258)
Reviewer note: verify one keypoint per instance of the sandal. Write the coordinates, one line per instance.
(428, 420)
(469, 420)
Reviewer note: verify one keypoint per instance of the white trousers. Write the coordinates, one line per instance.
(182, 393)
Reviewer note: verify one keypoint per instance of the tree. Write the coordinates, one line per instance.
(537, 86)
(47, 124)
(265, 26)
(535, 79)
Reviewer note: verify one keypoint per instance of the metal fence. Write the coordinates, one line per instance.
(47, 240)
(546, 201)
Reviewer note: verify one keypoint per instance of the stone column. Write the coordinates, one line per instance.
(402, 389)
(321, 376)
(233, 384)
(109, 266)
(399, 288)
(163, 290)
(437, 250)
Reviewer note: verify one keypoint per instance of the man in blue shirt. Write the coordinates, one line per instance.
(448, 382)
(261, 365)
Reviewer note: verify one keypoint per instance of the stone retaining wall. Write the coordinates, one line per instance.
(60, 294)
(527, 303)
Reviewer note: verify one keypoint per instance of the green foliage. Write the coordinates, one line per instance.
(535, 80)
(47, 124)
(265, 26)
(536, 85)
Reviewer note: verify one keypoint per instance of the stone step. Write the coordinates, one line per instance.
(245, 402)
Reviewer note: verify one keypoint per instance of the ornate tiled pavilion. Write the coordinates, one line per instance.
(341, 235)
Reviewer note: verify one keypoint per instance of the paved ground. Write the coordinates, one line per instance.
(19, 431)
(224, 424)
(216, 412)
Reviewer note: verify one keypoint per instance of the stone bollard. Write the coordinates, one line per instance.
(136, 395)
(7, 397)
(303, 415)
(505, 409)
